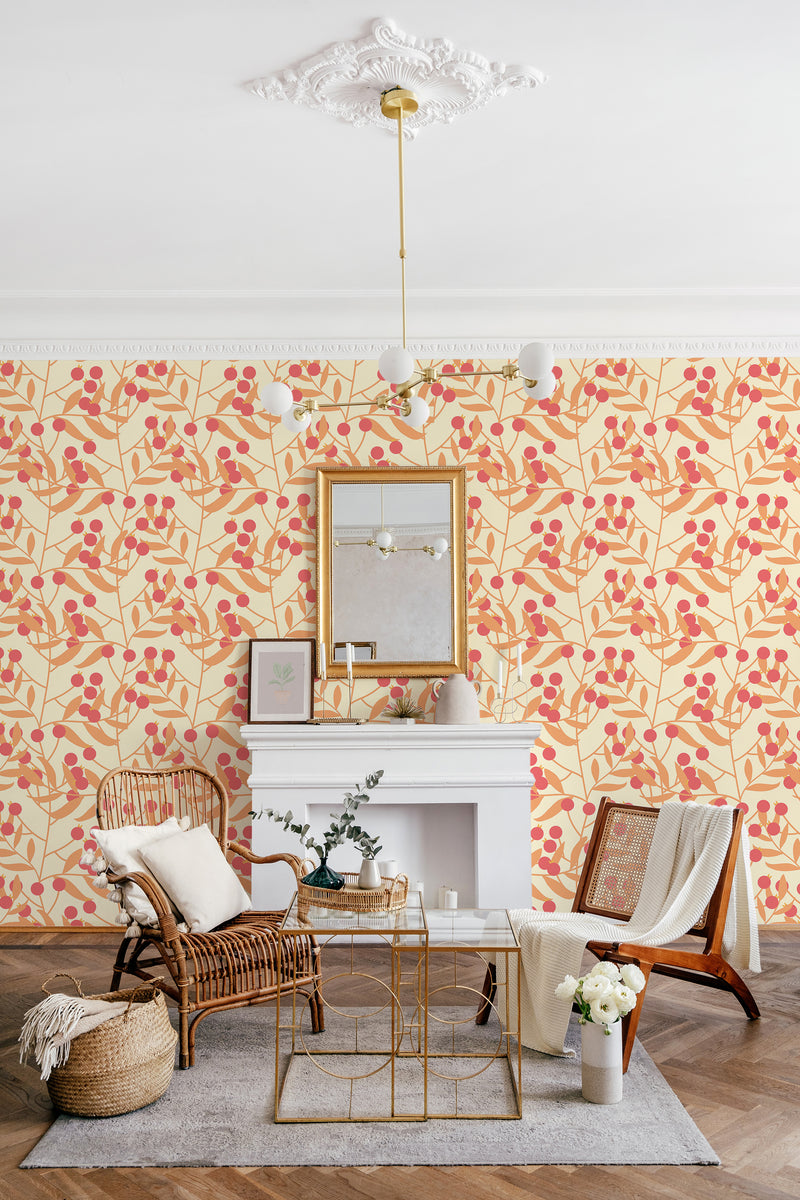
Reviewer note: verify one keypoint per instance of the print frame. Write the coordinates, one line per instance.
(281, 682)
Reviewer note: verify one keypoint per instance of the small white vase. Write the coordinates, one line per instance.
(601, 1063)
(369, 877)
(456, 702)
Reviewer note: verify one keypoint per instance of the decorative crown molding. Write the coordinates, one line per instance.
(352, 324)
(310, 349)
(346, 79)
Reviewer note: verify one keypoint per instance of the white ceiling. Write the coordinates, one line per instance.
(648, 189)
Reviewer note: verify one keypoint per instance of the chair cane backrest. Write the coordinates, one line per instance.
(130, 796)
(616, 857)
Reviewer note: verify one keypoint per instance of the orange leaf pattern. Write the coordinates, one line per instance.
(638, 534)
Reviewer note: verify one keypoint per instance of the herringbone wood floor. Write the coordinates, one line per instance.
(739, 1080)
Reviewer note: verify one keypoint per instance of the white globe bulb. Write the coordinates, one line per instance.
(420, 411)
(440, 546)
(396, 365)
(543, 388)
(382, 557)
(295, 424)
(276, 398)
(436, 556)
(384, 539)
(535, 360)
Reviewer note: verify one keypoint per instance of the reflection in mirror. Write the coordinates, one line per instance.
(383, 535)
(362, 651)
(391, 569)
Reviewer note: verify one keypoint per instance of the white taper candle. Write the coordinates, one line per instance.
(323, 663)
(519, 664)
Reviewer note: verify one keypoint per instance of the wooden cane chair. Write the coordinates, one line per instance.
(610, 886)
(233, 966)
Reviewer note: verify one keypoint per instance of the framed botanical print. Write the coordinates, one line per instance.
(281, 681)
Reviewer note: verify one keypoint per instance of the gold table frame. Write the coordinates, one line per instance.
(412, 937)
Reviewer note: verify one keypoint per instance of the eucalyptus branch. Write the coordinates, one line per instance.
(343, 827)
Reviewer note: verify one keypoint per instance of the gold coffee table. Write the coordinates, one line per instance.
(410, 1049)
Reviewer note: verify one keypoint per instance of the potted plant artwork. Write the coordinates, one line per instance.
(343, 828)
(282, 677)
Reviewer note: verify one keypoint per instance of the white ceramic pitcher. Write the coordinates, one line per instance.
(456, 701)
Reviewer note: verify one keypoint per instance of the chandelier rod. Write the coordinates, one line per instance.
(402, 219)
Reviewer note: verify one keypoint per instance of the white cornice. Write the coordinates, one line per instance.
(349, 324)
(688, 347)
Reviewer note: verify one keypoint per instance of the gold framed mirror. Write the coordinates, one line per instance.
(391, 570)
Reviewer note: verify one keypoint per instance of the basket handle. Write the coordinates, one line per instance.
(62, 975)
(151, 985)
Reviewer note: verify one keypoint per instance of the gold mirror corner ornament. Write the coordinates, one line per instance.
(401, 597)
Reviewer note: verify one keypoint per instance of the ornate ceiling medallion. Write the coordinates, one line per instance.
(345, 79)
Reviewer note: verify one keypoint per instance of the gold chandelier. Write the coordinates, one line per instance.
(396, 364)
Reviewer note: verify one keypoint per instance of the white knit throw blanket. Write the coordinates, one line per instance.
(49, 1027)
(683, 866)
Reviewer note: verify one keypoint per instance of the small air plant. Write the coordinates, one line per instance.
(404, 708)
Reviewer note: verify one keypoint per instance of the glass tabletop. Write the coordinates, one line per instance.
(476, 928)
(473, 928)
(329, 920)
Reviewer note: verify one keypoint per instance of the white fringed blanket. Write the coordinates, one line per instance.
(50, 1026)
(683, 866)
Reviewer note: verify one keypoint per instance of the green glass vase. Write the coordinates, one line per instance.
(324, 876)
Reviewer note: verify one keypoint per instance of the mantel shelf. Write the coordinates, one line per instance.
(424, 733)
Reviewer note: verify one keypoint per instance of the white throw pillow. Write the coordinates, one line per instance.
(121, 849)
(196, 874)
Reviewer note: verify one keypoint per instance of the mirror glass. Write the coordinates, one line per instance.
(391, 570)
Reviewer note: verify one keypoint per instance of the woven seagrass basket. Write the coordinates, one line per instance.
(389, 897)
(123, 1064)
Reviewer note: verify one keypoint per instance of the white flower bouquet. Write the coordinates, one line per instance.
(604, 995)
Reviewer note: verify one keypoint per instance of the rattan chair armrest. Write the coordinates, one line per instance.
(260, 859)
(152, 890)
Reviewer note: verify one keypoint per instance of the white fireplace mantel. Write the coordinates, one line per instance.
(453, 805)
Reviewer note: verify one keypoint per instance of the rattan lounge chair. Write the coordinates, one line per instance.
(233, 966)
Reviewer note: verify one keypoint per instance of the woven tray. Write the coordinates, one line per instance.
(390, 897)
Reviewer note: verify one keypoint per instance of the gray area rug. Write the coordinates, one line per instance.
(220, 1113)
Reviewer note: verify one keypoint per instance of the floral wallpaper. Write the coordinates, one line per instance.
(638, 534)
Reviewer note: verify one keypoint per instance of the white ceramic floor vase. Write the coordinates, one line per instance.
(601, 1063)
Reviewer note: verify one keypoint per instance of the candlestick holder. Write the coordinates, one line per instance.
(322, 681)
(498, 705)
(517, 704)
(337, 720)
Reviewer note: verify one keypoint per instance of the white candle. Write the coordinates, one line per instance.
(500, 676)
(349, 651)
(519, 664)
(323, 664)
(451, 899)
